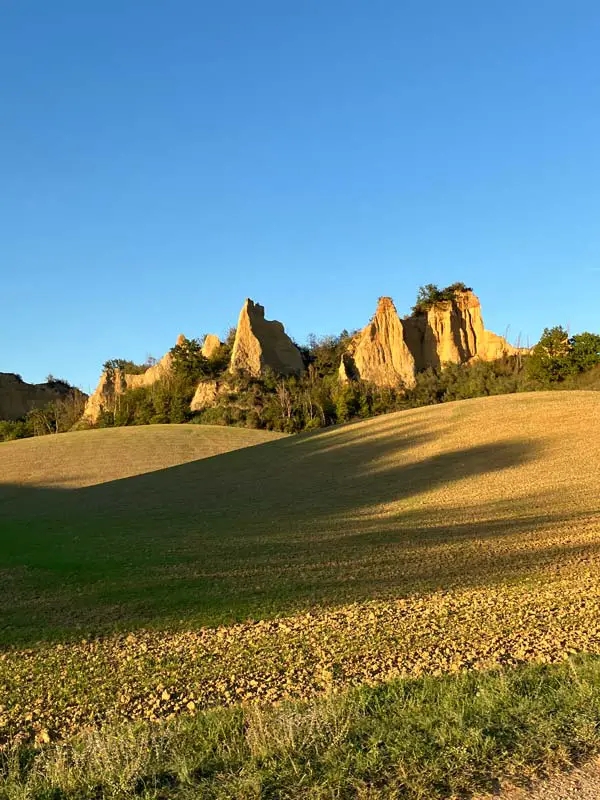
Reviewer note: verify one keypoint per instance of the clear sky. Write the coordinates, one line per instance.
(160, 161)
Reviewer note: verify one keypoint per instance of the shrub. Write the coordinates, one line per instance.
(19, 429)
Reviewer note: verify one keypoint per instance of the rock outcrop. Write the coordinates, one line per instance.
(389, 351)
(210, 345)
(261, 345)
(117, 381)
(18, 398)
(379, 353)
(206, 395)
(452, 331)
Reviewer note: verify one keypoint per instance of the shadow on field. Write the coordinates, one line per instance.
(326, 518)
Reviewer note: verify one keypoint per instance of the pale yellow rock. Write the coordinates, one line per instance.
(380, 352)
(389, 351)
(453, 332)
(210, 345)
(261, 345)
(205, 395)
(114, 384)
(497, 347)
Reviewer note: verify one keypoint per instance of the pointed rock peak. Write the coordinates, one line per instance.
(250, 307)
(261, 344)
(385, 305)
(379, 353)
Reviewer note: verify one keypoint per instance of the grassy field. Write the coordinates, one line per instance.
(439, 540)
(86, 458)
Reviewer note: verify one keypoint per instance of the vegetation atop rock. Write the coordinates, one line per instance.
(431, 295)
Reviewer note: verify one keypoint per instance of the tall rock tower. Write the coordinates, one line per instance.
(380, 352)
(262, 344)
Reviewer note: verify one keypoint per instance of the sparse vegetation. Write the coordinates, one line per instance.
(124, 365)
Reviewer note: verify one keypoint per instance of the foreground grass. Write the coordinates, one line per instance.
(428, 738)
(53, 691)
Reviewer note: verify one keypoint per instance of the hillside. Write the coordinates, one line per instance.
(458, 495)
(438, 540)
(85, 458)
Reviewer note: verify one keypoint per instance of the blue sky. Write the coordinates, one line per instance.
(159, 162)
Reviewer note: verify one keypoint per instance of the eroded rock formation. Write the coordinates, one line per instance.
(206, 395)
(262, 345)
(117, 381)
(452, 331)
(389, 351)
(379, 353)
(18, 398)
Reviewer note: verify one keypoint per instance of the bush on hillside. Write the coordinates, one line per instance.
(15, 429)
(325, 352)
(189, 364)
(463, 381)
(585, 351)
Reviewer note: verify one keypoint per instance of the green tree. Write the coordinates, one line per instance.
(124, 365)
(550, 360)
(189, 365)
(585, 351)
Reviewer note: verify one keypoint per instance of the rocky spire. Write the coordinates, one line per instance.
(262, 344)
(380, 354)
